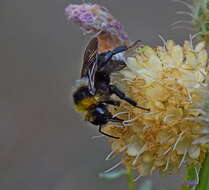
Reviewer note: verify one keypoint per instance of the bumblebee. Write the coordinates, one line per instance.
(93, 95)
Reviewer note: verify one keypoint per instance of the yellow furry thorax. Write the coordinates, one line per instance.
(86, 103)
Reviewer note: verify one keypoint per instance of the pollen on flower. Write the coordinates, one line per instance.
(173, 82)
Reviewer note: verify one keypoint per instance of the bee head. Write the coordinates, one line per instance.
(99, 114)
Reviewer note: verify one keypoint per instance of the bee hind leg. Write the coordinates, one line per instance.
(107, 56)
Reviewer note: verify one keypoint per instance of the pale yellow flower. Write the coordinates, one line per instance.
(173, 82)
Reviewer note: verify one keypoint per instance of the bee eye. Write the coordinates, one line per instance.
(100, 110)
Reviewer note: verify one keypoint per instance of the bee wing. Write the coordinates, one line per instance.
(113, 66)
(90, 57)
(91, 77)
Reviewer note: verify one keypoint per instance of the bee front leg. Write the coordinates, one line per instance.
(100, 130)
(112, 102)
(121, 95)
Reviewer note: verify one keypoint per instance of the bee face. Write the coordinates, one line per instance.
(100, 114)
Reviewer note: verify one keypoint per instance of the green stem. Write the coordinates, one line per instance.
(131, 184)
(190, 178)
(204, 175)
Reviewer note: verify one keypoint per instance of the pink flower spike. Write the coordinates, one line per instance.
(93, 18)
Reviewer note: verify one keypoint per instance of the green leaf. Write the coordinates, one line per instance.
(204, 175)
(206, 146)
(131, 184)
(190, 178)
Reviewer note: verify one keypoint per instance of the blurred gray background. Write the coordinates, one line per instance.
(44, 144)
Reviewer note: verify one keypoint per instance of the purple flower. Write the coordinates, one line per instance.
(190, 183)
(95, 18)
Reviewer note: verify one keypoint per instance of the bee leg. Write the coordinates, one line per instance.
(115, 119)
(112, 102)
(122, 96)
(134, 44)
(123, 48)
(108, 55)
(100, 130)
